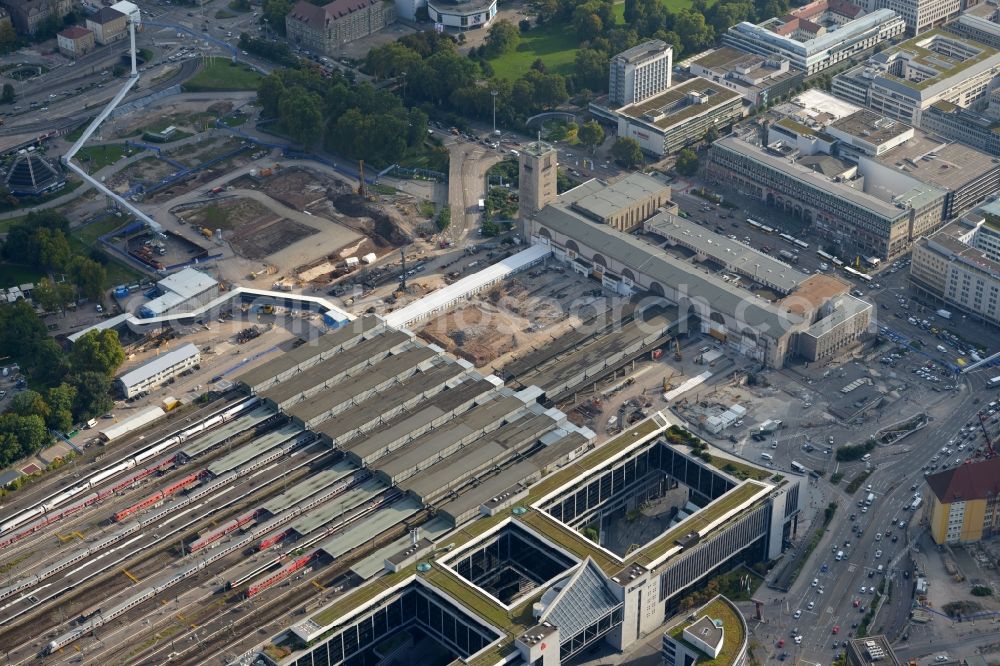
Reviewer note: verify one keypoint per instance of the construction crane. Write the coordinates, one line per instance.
(990, 452)
(362, 190)
(677, 351)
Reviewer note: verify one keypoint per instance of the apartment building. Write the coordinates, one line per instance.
(818, 35)
(964, 502)
(905, 80)
(26, 15)
(640, 72)
(959, 266)
(679, 117)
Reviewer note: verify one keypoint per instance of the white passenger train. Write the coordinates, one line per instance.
(49, 510)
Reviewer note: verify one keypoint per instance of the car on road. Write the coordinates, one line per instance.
(878, 554)
(941, 657)
(836, 629)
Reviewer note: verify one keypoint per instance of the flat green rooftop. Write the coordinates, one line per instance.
(520, 618)
(698, 521)
(946, 65)
(732, 632)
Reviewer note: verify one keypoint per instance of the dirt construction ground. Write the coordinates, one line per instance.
(512, 316)
(255, 231)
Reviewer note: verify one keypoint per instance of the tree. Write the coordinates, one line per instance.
(89, 276)
(687, 162)
(8, 96)
(627, 152)
(503, 37)
(93, 397)
(21, 436)
(52, 297)
(301, 115)
(590, 68)
(98, 351)
(270, 90)
(60, 400)
(274, 14)
(694, 32)
(8, 38)
(591, 134)
(443, 218)
(53, 249)
(29, 402)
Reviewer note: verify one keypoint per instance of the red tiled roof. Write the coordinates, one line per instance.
(339, 8)
(306, 12)
(74, 32)
(972, 481)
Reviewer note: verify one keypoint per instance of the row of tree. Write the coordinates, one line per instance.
(66, 388)
(41, 241)
(355, 120)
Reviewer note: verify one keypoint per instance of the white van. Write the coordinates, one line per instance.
(866, 457)
(767, 456)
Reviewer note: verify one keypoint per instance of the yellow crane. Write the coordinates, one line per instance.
(677, 351)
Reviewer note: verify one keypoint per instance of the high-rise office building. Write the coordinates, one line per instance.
(640, 73)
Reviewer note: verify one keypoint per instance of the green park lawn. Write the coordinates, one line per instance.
(551, 42)
(98, 157)
(220, 74)
(556, 45)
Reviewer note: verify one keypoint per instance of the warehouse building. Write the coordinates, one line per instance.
(183, 291)
(158, 371)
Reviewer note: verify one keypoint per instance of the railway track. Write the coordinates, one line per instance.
(145, 564)
(220, 633)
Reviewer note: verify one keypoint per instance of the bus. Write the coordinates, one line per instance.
(850, 271)
(993, 383)
(787, 237)
(837, 262)
(865, 277)
(824, 255)
(753, 223)
(799, 467)
(804, 245)
(766, 229)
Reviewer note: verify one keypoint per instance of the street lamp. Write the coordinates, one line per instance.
(494, 93)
